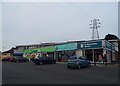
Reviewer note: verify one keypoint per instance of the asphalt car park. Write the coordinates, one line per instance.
(29, 73)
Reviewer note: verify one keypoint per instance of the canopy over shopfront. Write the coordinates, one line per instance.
(30, 51)
(41, 51)
(64, 47)
(46, 49)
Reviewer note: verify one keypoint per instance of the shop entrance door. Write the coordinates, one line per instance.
(88, 54)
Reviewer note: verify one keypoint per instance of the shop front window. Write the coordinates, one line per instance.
(109, 56)
(88, 54)
(98, 53)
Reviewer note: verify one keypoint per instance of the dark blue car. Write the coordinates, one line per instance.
(44, 60)
(20, 59)
(77, 62)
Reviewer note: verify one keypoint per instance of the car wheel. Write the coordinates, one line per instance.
(41, 63)
(89, 65)
(54, 62)
(79, 66)
(37, 63)
(68, 67)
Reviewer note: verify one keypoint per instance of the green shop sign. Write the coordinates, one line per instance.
(30, 51)
(38, 49)
(46, 49)
(63, 47)
(92, 44)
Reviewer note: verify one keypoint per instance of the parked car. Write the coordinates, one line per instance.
(12, 59)
(32, 59)
(20, 59)
(17, 59)
(25, 60)
(44, 60)
(6, 59)
(78, 62)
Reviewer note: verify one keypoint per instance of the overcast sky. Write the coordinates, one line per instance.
(33, 23)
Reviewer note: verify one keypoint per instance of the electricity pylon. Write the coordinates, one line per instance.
(95, 24)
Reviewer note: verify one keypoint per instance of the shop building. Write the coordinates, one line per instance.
(93, 49)
(64, 51)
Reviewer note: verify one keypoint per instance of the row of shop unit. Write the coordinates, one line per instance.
(90, 49)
